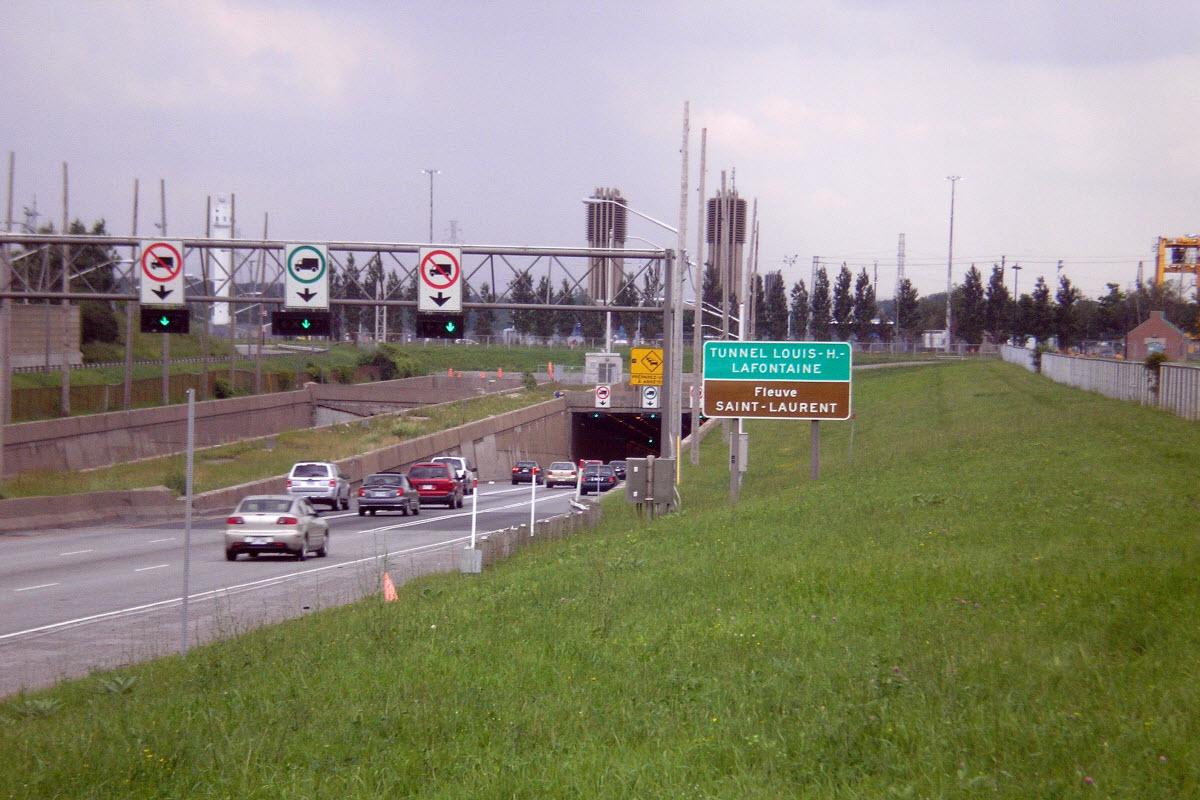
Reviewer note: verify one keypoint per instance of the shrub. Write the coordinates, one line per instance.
(313, 373)
(283, 380)
(222, 388)
(528, 381)
(175, 480)
(381, 360)
(342, 373)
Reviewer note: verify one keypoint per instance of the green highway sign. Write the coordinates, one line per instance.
(777, 380)
(783, 361)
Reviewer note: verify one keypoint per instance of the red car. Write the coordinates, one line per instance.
(436, 483)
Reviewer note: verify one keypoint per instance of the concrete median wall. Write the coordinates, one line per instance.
(22, 514)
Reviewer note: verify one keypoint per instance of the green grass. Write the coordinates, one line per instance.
(241, 462)
(994, 595)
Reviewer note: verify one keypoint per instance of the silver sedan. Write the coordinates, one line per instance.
(275, 523)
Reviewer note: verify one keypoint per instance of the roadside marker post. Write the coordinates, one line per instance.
(532, 497)
(187, 520)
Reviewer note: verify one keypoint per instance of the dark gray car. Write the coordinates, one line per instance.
(388, 491)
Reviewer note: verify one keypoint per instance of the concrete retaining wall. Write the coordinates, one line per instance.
(98, 440)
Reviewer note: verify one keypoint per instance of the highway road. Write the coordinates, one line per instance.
(72, 601)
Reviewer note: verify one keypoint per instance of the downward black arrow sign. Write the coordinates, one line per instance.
(440, 299)
(306, 295)
(161, 292)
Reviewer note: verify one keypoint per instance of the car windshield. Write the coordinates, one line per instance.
(563, 465)
(526, 463)
(384, 480)
(310, 471)
(265, 506)
(423, 473)
(594, 471)
(454, 462)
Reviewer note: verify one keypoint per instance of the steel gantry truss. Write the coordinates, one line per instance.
(261, 262)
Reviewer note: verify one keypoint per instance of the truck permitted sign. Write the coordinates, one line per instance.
(306, 279)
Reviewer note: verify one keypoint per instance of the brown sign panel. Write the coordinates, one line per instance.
(777, 399)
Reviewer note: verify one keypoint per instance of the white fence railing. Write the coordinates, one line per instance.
(1178, 388)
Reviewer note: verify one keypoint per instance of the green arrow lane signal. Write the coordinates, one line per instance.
(306, 324)
(450, 327)
(164, 321)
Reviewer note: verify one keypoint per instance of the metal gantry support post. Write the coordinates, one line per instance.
(5, 311)
(697, 312)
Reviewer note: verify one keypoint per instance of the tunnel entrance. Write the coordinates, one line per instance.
(608, 435)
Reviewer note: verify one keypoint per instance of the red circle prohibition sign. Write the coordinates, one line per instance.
(161, 262)
(602, 392)
(443, 275)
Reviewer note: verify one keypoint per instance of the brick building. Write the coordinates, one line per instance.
(1156, 334)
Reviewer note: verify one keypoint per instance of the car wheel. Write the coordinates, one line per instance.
(416, 509)
(303, 554)
(373, 512)
(362, 512)
(346, 504)
(404, 511)
(253, 555)
(514, 483)
(231, 555)
(324, 549)
(460, 502)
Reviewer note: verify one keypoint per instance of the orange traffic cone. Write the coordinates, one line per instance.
(500, 372)
(389, 588)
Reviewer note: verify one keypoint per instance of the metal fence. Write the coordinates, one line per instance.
(1176, 388)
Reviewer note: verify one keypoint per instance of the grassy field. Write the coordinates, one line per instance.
(241, 462)
(993, 595)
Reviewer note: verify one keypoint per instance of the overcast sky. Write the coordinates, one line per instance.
(1075, 125)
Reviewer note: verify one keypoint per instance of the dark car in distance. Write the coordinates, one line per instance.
(597, 479)
(526, 471)
(618, 468)
(436, 483)
(388, 491)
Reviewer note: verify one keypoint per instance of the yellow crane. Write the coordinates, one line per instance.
(1174, 256)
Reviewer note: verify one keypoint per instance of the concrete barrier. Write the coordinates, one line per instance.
(21, 514)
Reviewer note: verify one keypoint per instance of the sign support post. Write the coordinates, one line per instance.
(816, 449)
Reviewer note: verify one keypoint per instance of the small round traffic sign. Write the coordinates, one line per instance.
(650, 392)
(602, 392)
(161, 262)
(306, 264)
(439, 269)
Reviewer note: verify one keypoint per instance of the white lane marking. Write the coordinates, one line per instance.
(156, 566)
(450, 516)
(39, 586)
(76, 552)
(265, 582)
(168, 539)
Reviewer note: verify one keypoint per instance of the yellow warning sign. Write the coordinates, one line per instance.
(646, 366)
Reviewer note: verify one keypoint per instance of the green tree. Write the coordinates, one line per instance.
(1066, 315)
(972, 308)
(564, 321)
(907, 303)
(652, 293)
(1113, 315)
(1042, 321)
(520, 290)
(757, 292)
(775, 305)
(799, 311)
(843, 304)
(998, 311)
(543, 321)
(395, 314)
(485, 317)
(821, 307)
(865, 308)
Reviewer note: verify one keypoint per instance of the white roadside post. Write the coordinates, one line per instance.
(474, 509)
(187, 520)
(533, 476)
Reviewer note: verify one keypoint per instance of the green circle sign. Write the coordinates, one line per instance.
(314, 264)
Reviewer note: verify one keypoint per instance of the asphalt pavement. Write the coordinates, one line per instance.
(72, 601)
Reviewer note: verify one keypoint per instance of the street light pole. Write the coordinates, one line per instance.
(954, 179)
(431, 172)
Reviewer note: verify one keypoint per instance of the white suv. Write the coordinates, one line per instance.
(319, 482)
(463, 470)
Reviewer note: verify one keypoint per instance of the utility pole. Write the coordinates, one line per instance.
(1016, 268)
(431, 172)
(134, 270)
(791, 262)
(697, 307)
(5, 310)
(166, 337)
(812, 288)
(954, 179)
(675, 398)
(65, 398)
(899, 281)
